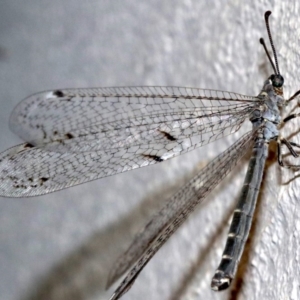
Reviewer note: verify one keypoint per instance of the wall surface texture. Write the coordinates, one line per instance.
(61, 246)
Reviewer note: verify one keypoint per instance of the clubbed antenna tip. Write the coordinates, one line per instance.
(267, 14)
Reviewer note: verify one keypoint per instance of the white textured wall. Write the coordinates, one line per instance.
(61, 246)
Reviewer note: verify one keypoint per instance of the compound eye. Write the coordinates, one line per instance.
(277, 80)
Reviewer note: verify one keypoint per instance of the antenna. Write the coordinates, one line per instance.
(267, 14)
(261, 40)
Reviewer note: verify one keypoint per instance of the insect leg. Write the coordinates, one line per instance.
(292, 151)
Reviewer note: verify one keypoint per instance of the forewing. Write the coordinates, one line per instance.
(177, 209)
(83, 120)
(74, 136)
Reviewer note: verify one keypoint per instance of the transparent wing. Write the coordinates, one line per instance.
(177, 209)
(78, 120)
(77, 135)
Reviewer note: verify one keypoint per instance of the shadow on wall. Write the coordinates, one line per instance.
(84, 272)
(3, 53)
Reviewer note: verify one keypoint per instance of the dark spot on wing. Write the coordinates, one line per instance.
(55, 132)
(168, 136)
(69, 135)
(43, 180)
(154, 157)
(28, 145)
(58, 93)
(20, 186)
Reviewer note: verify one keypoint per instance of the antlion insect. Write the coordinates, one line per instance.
(78, 135)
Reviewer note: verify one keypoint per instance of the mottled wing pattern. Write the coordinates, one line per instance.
(77, 135)
(176, 210)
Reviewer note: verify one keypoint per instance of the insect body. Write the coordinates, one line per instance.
(78, 135)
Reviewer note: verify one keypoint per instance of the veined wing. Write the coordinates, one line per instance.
(78, 135)
(175, 212)
(79, 120)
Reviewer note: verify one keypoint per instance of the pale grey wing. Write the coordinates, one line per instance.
(176, 210)
(85, 120)
(75, 136)
(26, 170)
